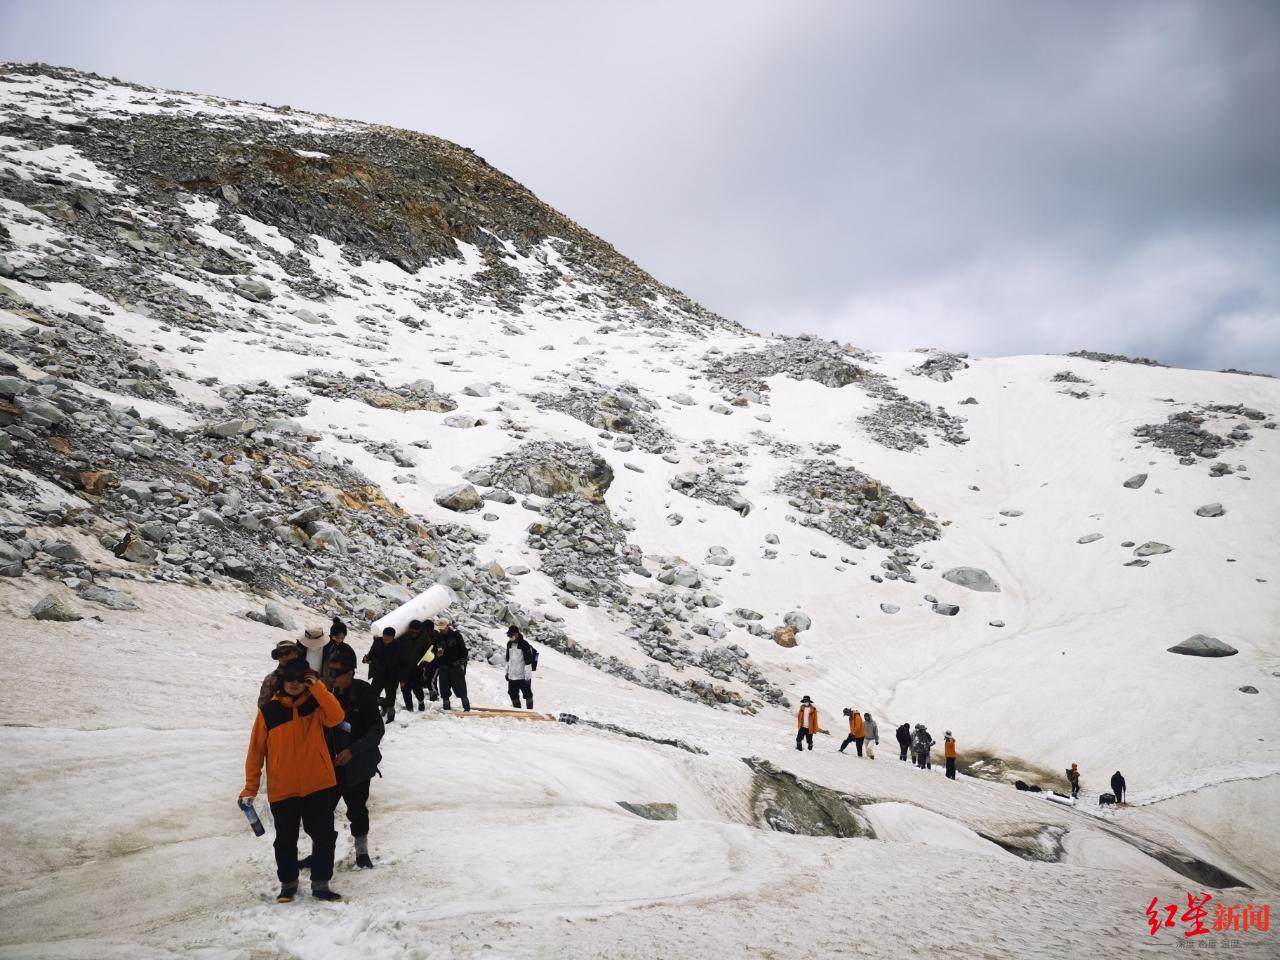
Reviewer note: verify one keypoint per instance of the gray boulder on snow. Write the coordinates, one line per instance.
(946, 609)
(462, 498)
(889, 607)
(60, 549)
(274, 615)
(1089, 538)
(254, 289)
(972, 578)
(112, 599)
(53, 607)
(1152, 548)
(798, 621)
(1200, 645)
(11, 559)
(1136, 481)
(1211, 510)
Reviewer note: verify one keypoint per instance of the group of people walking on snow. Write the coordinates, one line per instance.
(918, 742)
(318, 730)
(864, 733)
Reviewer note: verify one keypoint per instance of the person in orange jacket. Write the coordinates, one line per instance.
(949, 751)
(857, 730)
(288, 733)
(806, 722)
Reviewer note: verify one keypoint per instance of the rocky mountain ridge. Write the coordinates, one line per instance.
(307, 359)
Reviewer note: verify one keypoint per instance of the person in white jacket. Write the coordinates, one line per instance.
(520, 663)
(873, 735)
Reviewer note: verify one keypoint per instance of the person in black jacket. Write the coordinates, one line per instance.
(383, 659)
(354, 746)
(1117, 786)
(411, 651)
(904, 741)
(451, 653)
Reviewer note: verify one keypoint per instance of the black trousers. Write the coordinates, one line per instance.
(314, 813)
(1119, 794)
(922, 757)
(804, 734)
(384, 687)
(951, 768)
(412, 687)
(852, 739)
(356, 797)
(1075, 790)
(429, 672)
(453, 681)
(517, 687)
(902, 750)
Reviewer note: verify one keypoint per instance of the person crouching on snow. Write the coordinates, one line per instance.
(354, 745)
(288, 734)
(806, 722)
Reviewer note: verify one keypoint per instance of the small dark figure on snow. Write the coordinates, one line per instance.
(354, 746)
(384, 660)
(806, 723)
(451, 653)
(904, 741)
(1117, 786)
(1073, 777)
(522, 660)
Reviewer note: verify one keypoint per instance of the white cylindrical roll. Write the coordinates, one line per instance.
(425, 606)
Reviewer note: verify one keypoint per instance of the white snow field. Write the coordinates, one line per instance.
(122, 735)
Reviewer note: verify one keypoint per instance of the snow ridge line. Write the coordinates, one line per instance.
(1205, 777)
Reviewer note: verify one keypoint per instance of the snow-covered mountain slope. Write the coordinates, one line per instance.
(257, 355)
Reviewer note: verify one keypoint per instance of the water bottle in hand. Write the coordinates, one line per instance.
(251, 814)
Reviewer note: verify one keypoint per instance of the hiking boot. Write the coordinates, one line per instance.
(421, 706)
(363, 862)
(445, 706)
(287, 892)
(324, 893)
(409, 707)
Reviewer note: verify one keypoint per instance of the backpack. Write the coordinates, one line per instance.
(533, 659)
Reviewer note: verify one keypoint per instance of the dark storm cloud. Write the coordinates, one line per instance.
(996, 177)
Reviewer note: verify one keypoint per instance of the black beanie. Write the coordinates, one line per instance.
(295, 670)
(337, 627)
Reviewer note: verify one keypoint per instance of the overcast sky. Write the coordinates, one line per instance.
(997, 177)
